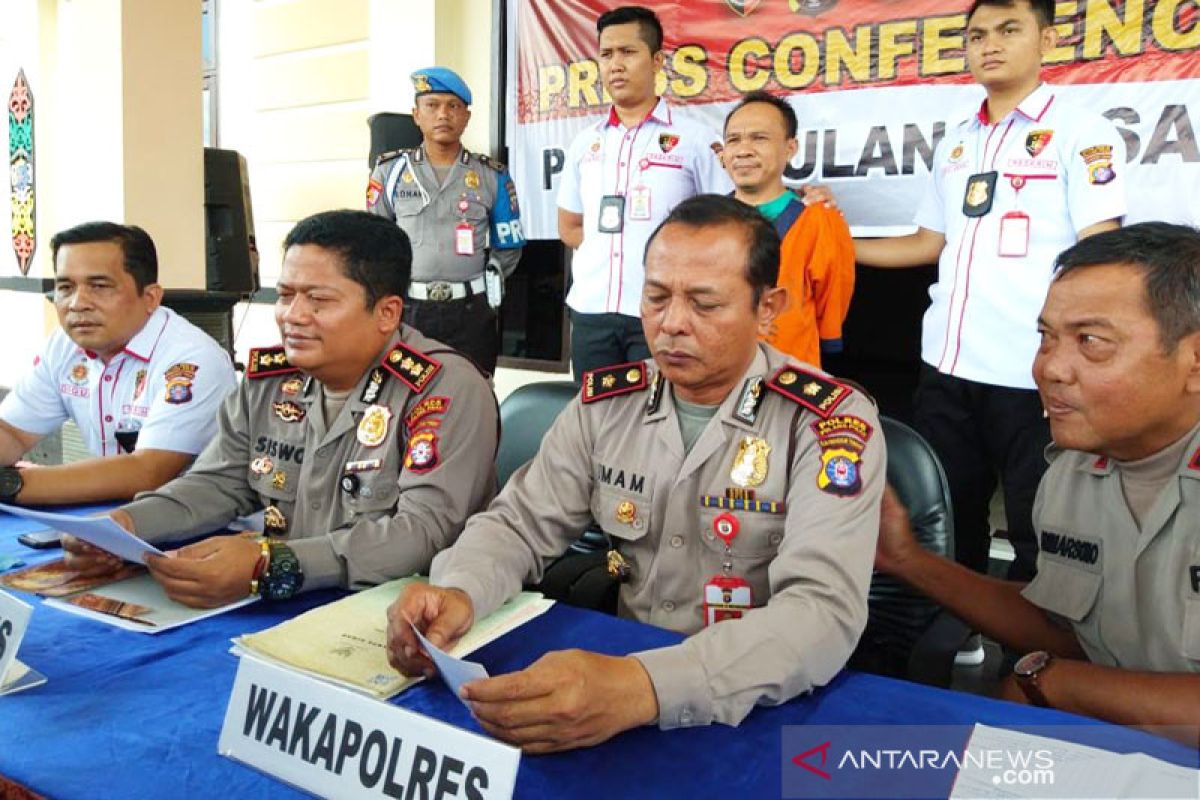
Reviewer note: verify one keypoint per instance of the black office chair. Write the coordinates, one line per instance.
(908, 635)
(391, 131)
(579, 576)
(525, 416)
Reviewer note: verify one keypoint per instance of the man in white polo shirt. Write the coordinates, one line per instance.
(142, 384)
(622, 178)
(1020, 181)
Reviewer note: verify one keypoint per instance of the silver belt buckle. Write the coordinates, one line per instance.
(440, 291)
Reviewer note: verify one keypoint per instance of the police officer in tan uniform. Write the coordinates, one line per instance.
(1112, 620)
(461, 214)
(742, 492)
(366, 444)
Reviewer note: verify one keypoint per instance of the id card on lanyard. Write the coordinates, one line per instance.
(726, 596)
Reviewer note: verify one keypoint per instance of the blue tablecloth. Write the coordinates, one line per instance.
(129, 715)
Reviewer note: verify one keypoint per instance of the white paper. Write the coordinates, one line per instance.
(143, 590)
(1075, 770)
(454, 671)
(100, 532)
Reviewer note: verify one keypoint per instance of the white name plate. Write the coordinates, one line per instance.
(336, 743)
(14, 621)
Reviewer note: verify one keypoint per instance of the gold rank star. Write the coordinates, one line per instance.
(408, 365)
(811, 389)
(608, 381)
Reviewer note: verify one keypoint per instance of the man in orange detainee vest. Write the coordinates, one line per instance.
(817, 253)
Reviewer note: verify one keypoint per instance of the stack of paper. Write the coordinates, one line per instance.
(346, 642)
(129, 598)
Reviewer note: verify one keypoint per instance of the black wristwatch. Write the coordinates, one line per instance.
(283, 576)
(1027, 670)
(11, 484)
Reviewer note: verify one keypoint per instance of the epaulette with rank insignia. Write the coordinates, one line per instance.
(411, 366)
(490, 162)
(600, 384)
(267, 361)
(391, 154)
(817, 393)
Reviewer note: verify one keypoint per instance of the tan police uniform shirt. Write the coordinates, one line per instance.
(1131, 596)
(620, 459)
(478, 191)
(369, 496)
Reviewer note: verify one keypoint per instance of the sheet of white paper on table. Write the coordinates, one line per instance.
(101, 532)
(1074, 770)
(454, 671)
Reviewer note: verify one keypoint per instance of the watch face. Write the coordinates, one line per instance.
(10, 482)
(1031, 663)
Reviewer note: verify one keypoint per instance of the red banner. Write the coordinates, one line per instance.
(718, 50)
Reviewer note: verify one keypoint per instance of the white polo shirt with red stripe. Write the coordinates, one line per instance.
(1060, 165)
(166, 385)
(667, 156)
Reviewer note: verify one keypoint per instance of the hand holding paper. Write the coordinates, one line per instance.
(101, 532)
(454, 671)
(445, 614)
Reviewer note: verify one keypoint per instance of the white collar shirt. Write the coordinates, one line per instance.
(1062, 167)
(165, 386)
(654, 165)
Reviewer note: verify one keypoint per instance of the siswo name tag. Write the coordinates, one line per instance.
(334, 743)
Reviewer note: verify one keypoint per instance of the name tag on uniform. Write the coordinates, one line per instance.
(1014, 235)
(464, 239)
(612, 214)
(639, 203)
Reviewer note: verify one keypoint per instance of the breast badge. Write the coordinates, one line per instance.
(373, 427)
(626, 512)
(79, 374)
(262, 465)
(750, 463)
(288, 411)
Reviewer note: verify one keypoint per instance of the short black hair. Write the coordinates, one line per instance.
(1167, 255)
(649, 26)
(375, 252)
(137, 248)
(790, 123)
(762, 242)
(1042, 9)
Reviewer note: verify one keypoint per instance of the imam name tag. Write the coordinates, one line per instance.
(335, 743)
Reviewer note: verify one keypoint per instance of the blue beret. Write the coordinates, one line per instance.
(439, 79)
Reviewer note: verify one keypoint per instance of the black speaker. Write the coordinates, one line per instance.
(390, 131)
(232, 254)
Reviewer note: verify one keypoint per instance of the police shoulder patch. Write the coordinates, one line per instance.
(267, 361)
(818, 393)
(411, 366)
(606, 382)
(490, 162)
